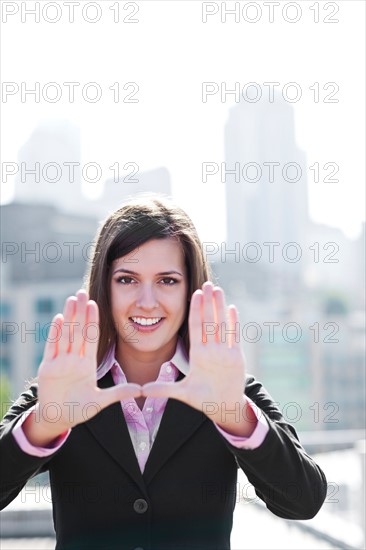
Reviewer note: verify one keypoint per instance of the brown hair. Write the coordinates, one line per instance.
(140, 219)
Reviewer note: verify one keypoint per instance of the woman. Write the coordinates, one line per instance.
(139, 411)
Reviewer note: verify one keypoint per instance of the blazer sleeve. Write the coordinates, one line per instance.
(17, 467)
(284, 476)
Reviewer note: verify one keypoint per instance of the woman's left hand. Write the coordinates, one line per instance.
(216, 379)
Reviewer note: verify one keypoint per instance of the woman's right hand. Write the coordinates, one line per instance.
(67, 377)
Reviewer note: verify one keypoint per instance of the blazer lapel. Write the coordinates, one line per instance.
(110, 429)
(178, 424)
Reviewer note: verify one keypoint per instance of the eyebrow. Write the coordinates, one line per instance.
(123, 270)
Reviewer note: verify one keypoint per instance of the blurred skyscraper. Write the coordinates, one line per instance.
(261, 137)
(49, 167)
(266, 200)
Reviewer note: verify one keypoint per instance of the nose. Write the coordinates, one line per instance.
(146, 298)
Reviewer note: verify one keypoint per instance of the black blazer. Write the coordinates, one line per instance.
(186, 495)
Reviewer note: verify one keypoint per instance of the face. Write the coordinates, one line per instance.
(149, 297)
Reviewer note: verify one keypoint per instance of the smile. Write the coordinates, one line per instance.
(143, 321)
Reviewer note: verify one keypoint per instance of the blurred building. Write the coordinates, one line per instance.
(339, 368)
(45, 254)
(336, 263)
(49, 167)
(268, 202)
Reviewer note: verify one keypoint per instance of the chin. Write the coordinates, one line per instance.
(149, 346)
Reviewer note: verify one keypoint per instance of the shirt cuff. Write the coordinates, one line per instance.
(30, 449)
(258, 435)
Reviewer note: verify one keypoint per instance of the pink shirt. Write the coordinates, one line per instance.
(143, 424)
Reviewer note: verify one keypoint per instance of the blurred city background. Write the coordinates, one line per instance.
(296, 275)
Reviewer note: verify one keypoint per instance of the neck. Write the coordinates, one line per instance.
(143, 367)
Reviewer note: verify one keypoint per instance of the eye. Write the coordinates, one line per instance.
(169, 281)
(125, 280)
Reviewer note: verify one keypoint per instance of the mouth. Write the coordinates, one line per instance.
(146, 324)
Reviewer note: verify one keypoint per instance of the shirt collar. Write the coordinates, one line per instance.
(179, 359)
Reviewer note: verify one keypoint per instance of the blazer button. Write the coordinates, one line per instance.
(140, 505)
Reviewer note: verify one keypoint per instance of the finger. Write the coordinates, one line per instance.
(172, 390)
(210, 327)
(53, 336)
(195, 320)
(234, 327)
(91, 331)
(78, 325)
(220, 314)
(69, 309)
(118, 393)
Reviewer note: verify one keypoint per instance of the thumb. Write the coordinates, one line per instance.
(120, 392)
(174, 390)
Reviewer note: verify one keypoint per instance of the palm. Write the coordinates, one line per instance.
(217, 368)
(215, 373)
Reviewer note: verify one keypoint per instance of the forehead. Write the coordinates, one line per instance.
(159, 254)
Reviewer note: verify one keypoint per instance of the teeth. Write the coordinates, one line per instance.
(146, 322)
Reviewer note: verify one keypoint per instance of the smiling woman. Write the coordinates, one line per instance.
(152, 233)
(158, 412)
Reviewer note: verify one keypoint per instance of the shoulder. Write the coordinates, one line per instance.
(26, 399)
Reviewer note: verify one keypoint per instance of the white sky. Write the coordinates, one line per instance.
(169, 53)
